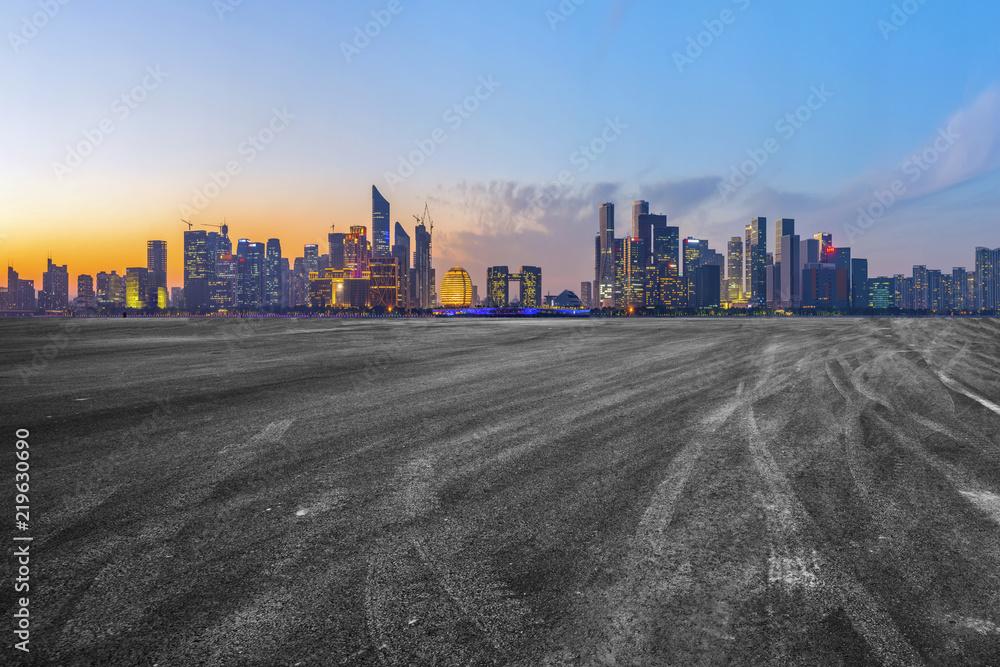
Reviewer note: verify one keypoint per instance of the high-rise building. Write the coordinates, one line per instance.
(825, 243)
(606, 273)
(988, 279)
(335, 240)
(401, 251)
(959, 290)
(222, 289)
(585, 293)
(422, 283)
(384, 285)
(20, 293)
(920, 291)
(789, 277)
(250, 277)
(757, 258)
(55, 287)
(85, 296)
(136, 287)
(666, 244)
(639, 208)
(694, 250)
(272, 274)
(782, 227)
(734, 286)
(199, 265)
(860, 289)
(380, 225)
(633, 269)
(156, 265)
(456, 289)
(310, 253)
(881, 293)
(497, 287)
(653, 228)
(357, 253)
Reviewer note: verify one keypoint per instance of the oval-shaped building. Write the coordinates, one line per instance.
(456, 288)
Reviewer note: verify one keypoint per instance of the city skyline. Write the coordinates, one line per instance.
(651, 267)
(511, 156)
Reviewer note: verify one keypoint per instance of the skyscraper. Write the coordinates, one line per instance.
(401, 251)
(380, 225)
(198, 269)
(988, 279)
(85, 297)
(638, 208)
(250, 277)
(782, 227)
(650, 228)
(789, 277)
(136, 287)
(421, 285)
(694, 249)
(735, 267)
(758, 262)
(606, 274)
(336, 244)
(156, 265)
(497, 287)
(310, 253)
(860, 289)
(272, 274)
(920, 292)
(55, 287)
(530, 280)
(585, 293)
(747, 264)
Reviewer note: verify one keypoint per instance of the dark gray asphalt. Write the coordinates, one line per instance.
(682, 492)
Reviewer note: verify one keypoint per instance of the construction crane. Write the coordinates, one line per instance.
(186, 222)
(424, 221)
(224, 227)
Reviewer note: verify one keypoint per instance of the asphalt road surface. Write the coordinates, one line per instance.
(433, 492)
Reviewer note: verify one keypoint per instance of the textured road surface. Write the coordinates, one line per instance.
(689, 492)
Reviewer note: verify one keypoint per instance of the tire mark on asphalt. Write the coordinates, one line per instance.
(961, 389)
(789, 524)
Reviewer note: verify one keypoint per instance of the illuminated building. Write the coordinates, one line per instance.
(585, 293)
(136, 287)
(881, 294)
(222, 288)
(497, 287)
(250, 277)
(605, 277)
(55, 287)
(380, 225)
(85, 297)
(825, 240)
(666, 243)
(384, 276)
(633, 278)
(401, 251)
(356, 251)
(667, 288)
(920, 292)
(310, 253)
(693, 251)
(156, 264)
(735, 266)
(757, 258)
(320, 292)
(456, 289)
(198, 268)
(566, 299)
(987, 279)
(531, 286)
(747, 264)
(422, 283)
(272, 274)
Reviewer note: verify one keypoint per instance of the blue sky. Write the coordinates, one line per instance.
(556, 84)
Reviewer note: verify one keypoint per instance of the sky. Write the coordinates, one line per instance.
(877, 121)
